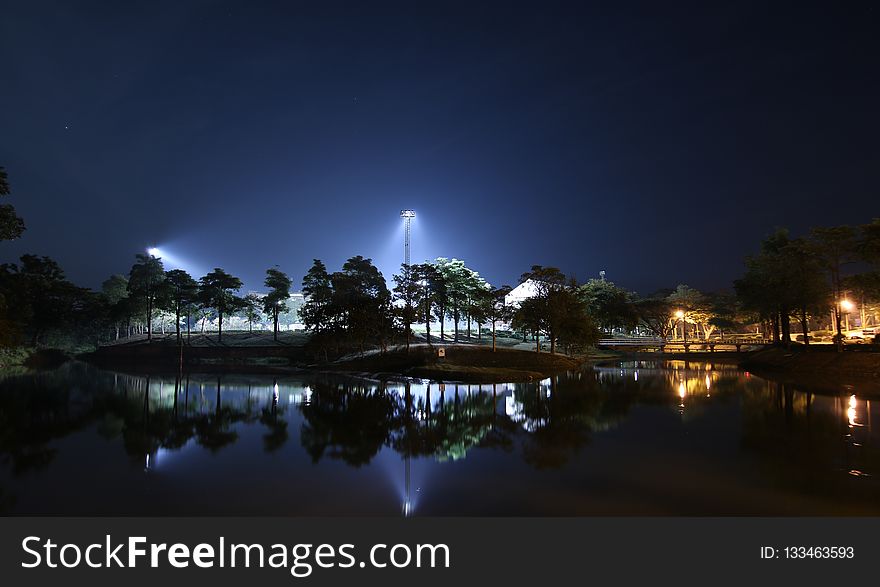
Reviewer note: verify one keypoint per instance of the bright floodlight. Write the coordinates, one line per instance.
(846, 305)
(407, 216)
(153, 252)
(679, 314)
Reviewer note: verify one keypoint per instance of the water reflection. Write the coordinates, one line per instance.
(766, 435)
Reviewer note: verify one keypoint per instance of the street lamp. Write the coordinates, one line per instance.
(847, 307)
(407, 216)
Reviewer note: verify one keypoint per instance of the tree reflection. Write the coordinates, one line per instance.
(346, 422)
(445, 431)
(277, 434)
(342, 419)
(801, 438)
(811, 443)
(560, 416)
(36, 409)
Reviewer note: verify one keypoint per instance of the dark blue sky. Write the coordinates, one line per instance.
(658, 141)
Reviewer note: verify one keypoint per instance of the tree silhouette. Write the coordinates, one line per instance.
(217, 290)
(11, 225)
(144, 284)
(275, 301)
(182, 290)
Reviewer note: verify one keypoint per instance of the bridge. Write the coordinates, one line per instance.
(736, 343)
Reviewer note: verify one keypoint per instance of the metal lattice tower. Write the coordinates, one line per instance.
(407, 216)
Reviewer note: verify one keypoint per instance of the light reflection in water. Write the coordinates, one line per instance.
(851, 412)
(548, 424)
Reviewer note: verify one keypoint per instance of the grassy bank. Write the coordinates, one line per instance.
(816, 366)
(44, 358)
(234, 351)
(472, 360)
(462, 363)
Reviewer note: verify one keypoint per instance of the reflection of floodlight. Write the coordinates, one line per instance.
(153, 252)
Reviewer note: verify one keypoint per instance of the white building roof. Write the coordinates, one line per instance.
(525, 290)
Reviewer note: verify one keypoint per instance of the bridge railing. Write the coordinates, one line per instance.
(661, 344)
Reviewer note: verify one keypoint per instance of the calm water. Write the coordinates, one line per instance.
(632, 439)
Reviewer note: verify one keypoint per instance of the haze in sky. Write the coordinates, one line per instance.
(657, 141)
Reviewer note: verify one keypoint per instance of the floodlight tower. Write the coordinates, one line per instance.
(407, 216)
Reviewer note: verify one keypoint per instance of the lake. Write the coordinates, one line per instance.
(635, 438)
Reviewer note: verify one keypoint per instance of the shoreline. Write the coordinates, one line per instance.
(462, 362)
(467, 362)
(818, 367)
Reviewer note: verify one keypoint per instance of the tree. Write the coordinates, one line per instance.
(475, 297)
(495, 308)
(182, 290)
(275, 301)
(529, 317)
(576, 329)
(44, 302)
(433, 291)
(835, 247)
(144, 284)
(115, 292)
(805, 291)
(316, 312)
(721, 313)
(362, 301)
(457, 279)
(556, 310)
(549, 281)
(11, 225)
(869, 243)
(407, 293)
(217, 290)
(783, 279)
(867, 283)
(609, 305)
(655, 315)
(251, 307)
(688, 301)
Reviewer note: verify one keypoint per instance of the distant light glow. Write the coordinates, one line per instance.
(171, 259)
(679, 314)
(846, 305)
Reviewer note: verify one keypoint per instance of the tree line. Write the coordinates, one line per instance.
(814, 275)
(788, 279)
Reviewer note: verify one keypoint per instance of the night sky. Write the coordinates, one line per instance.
(657, 141)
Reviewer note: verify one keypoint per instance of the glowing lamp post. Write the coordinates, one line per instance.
(407, 216)
(684, 335)
(846, 306)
